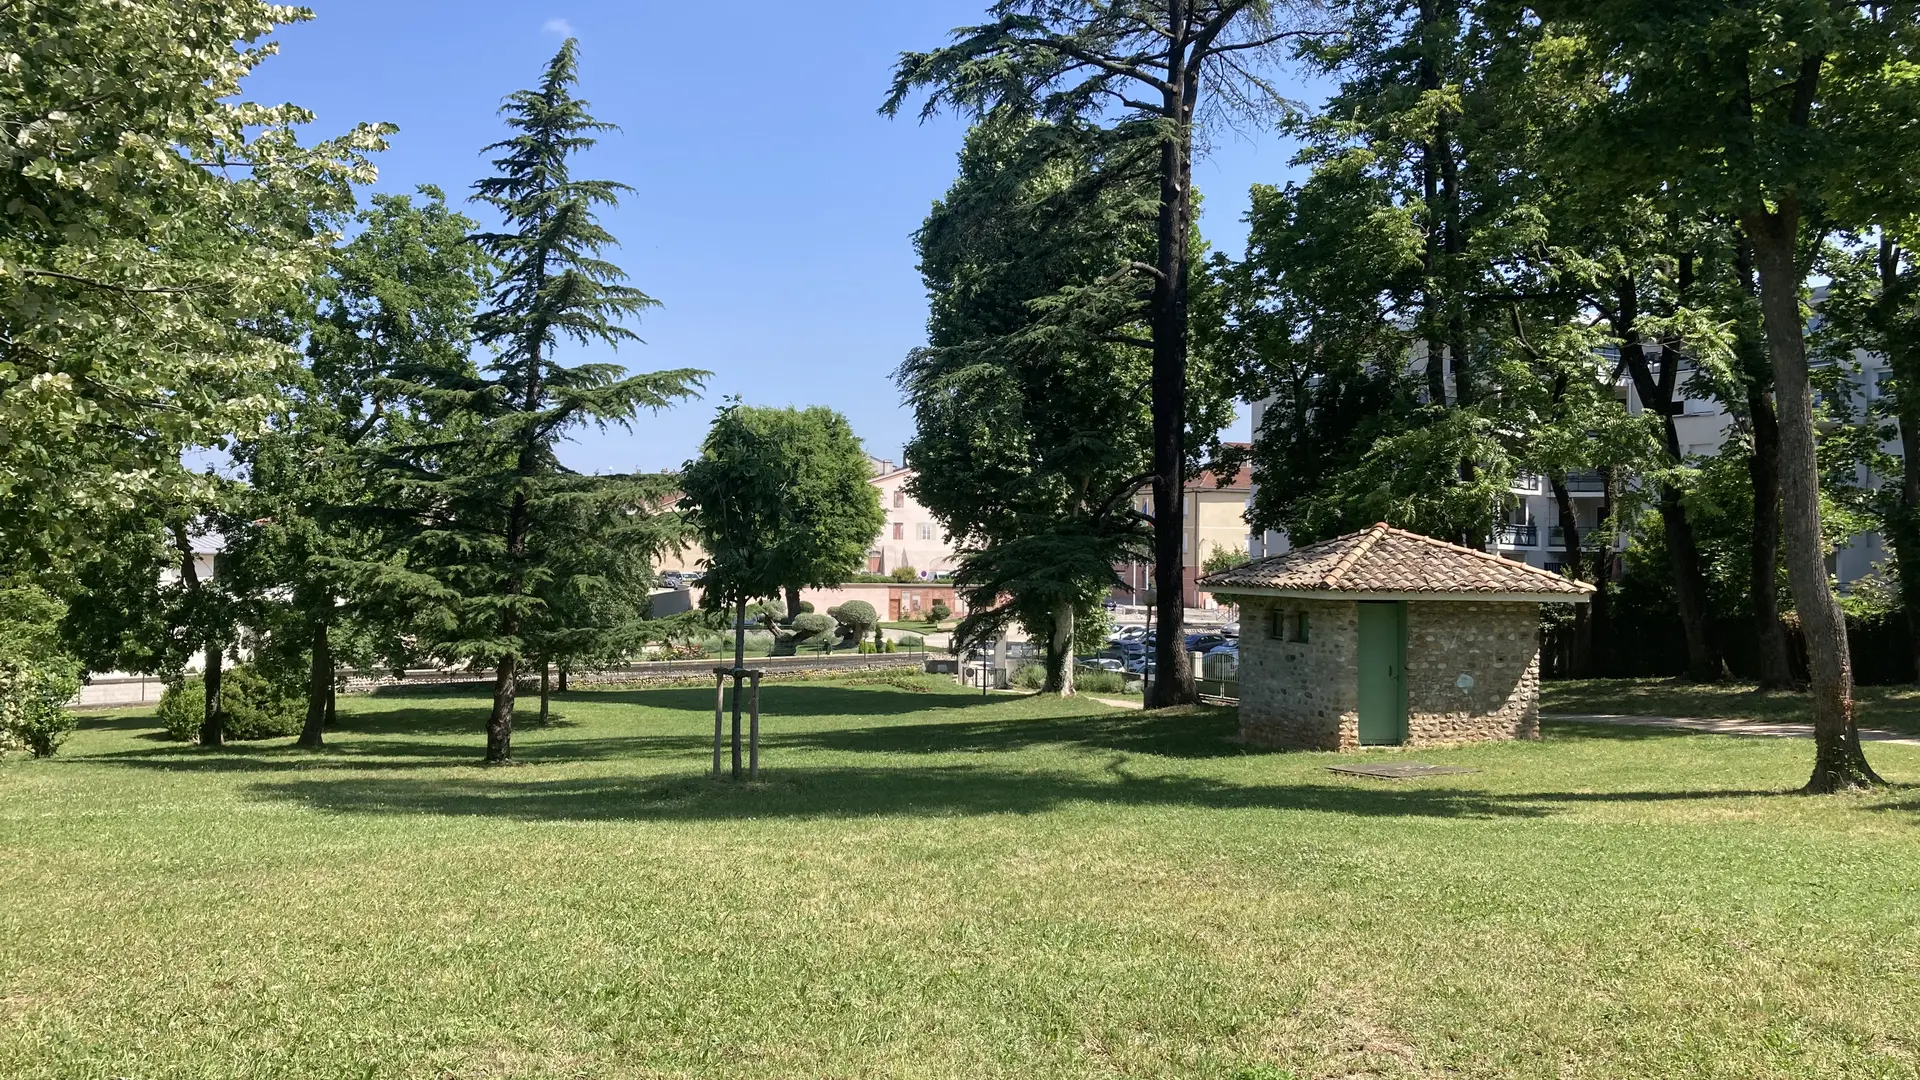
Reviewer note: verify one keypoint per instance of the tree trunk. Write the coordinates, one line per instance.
(793, 602)
(1582, 659)
(500, 723)
(1690, 588)
(1839, 763)
(1763, 572)
(564, 668)
(333, 699)
(545, 690)
(1060, 652)
(213, 729)
(1173, 678)
(319, 691)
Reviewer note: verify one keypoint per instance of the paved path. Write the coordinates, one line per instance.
(1726, 727)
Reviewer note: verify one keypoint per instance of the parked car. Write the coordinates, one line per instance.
(1101, 663)
(1204, 642)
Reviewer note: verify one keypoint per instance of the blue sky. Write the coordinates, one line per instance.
(772, 209)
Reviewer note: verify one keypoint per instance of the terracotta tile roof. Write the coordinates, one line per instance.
(1384, 559)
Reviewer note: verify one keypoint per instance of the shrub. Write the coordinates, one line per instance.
(891, 647)
(806, 607)
(866, 648)
(1099, 682)
(255, 708)
(812, 629)
(1030, 677)
(939, 612)
(912, 641)
(34, 692)
(905, 574)
(856, 618)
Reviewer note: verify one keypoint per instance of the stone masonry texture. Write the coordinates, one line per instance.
(1305, 695)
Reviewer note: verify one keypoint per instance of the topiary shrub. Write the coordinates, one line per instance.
(255, 708)
(856, 618)
(905, 574)
(891, 647)
(912, 641)
(1030, 677)
(939, 612)
(806, 607)
(812, 629)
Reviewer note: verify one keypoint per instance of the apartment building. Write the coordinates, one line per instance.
(1532, 530)
(911, 536)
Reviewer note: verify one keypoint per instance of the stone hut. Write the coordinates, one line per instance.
(1389, 638)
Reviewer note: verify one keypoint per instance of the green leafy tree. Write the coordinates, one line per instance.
(37, 675)
(856, 619)
(596, 549)
(1873, 304)
(304, 545)
(1158, 70)
(155, 222)
(1789, 118)
(476, 483)
(1031, 401)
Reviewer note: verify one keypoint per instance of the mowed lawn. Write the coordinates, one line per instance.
(932, 884)
(1889, 708)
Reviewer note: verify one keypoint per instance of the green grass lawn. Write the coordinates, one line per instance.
(932, 884)
(1893, 708)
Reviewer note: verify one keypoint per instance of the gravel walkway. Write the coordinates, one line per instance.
(1771, 729)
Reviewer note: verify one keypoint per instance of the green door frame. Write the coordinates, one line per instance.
(1382, 672)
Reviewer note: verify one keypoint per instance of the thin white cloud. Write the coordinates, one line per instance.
(557, 27)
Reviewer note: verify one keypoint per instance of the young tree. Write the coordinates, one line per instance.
(1791, 118)
(830, 513)
(479, 480)
(1165, 66)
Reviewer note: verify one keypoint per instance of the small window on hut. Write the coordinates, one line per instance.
(1277, 623)
(1300, 627)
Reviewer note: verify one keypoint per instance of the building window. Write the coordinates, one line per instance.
(899, 499)
(1300, 627)
(1880, 380)
(926, 530)
(899, 530)
(1277, 624)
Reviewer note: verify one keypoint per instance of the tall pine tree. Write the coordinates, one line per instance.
(479, 486)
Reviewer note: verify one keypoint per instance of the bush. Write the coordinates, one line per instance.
(866, 648)
(939, 612)
(856, 618)
(1099, 682)
(33, 702)
(811, 629)
(255, 708)
(912, 641)
(806, 607)
(891, 647)
(1030, 677)
(905, 574)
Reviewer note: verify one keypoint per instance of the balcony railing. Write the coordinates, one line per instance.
(1591, 539)
(1586, 483)
(1518, 535)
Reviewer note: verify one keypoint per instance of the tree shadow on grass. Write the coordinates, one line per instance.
(850, 792)
(798, 699)
(1200, 734)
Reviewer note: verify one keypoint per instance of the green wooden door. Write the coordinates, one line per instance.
(1383, 675)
